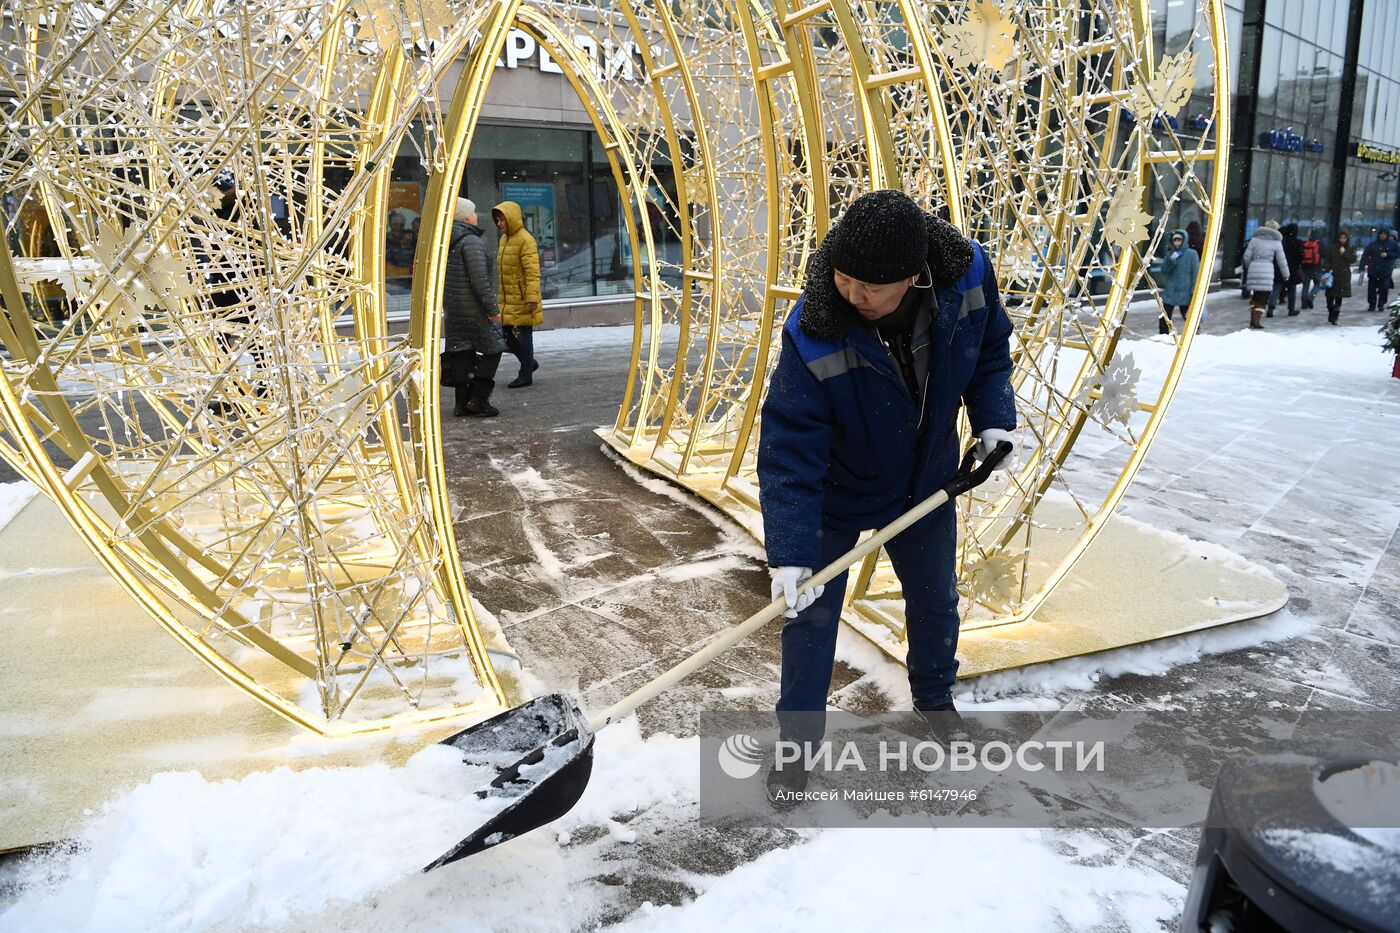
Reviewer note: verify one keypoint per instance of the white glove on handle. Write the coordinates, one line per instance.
(989, 439)
(786, 581)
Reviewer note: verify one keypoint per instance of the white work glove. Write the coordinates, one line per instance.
(786, 580)
(988, 439)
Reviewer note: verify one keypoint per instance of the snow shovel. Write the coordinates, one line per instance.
(543, 749)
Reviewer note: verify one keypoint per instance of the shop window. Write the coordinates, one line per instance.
(570, 204)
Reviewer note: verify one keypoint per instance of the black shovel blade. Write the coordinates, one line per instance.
(543, 754)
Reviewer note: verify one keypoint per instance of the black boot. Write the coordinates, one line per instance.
(459, 410)
(785, 787)
(479, 405)
(524, 379)
(946, 725)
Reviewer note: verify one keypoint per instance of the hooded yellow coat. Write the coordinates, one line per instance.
(518, 258)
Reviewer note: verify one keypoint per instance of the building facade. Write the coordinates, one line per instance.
(1316, 107)
(1315, 90)
(534, 144)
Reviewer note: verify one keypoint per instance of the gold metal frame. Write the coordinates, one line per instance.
(265, 476)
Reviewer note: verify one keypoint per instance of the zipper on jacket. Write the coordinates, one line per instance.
(921, 403)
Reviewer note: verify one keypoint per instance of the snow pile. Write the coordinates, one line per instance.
(1366, 800)
(13, 497)
(280, 846)
(183, 852)
(1341, 350)
(948, 879)
(1155, 657)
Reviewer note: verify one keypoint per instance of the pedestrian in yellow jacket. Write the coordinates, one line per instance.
(521, 311)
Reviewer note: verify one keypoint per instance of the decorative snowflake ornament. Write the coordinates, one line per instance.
(986, 38)
(1117, 393)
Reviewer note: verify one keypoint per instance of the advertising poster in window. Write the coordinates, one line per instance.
(401, 236)
(537, 207)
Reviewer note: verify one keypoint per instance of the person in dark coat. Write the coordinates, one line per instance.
(471, 321)
(1178, 280)
(229, 293)
(1263, 265)
(1289, 282)
(899, 328)
(1339, 260)
(1196, 237)
(1379, 261)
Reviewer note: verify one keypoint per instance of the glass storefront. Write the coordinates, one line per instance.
(562, 182)
(561, 179)
(1301, 68)
(1372, 183)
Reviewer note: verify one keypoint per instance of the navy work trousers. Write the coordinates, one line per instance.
(923, 556)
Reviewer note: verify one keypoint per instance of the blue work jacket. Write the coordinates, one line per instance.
(844, 444)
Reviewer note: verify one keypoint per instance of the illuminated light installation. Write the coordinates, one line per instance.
(200, 191)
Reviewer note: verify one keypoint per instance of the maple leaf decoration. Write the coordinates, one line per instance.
(993, 578)
(1126, 222)
(383, 17)
(1168, 90)
(1019, 261)
(148, 277)
(696, 190)
(986, 37)
(1117, 399)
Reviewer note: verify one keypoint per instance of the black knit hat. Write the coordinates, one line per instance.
(882, 238)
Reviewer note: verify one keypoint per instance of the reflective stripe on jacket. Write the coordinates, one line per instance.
(843, 442)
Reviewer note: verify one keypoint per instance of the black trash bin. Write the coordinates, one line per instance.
(1273, 858)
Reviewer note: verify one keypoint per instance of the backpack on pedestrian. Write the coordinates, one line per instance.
(1312, 253)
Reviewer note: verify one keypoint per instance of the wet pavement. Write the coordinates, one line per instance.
(601, 584)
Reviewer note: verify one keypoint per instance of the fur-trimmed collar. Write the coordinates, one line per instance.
(828, 316)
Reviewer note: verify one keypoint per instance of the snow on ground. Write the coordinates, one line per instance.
(948, 879)
(1156, 657)
(341, 847)
(13, 497)
(188, 853)
(735, 539)
(1346, 350)
(302, 849)
(285, 847)
(574, 339)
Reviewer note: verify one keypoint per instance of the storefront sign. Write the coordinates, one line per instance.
(1371, 154)
(1282, 140)
(608, 62)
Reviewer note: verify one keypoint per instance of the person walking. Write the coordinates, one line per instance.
(1290, 280)
(1340, 259)
(1179, 270)
(1312, 267)
(521, 310)
(471, 322)
(1264, 263)
(899, 328)
(1196, 237)
(230, 294)
(1379, 261)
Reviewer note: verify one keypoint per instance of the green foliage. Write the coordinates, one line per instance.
(1390, 330)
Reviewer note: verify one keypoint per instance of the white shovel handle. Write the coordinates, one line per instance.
(966, 478)
(726, 640)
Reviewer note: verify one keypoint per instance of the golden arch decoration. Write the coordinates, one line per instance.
(224, 417)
